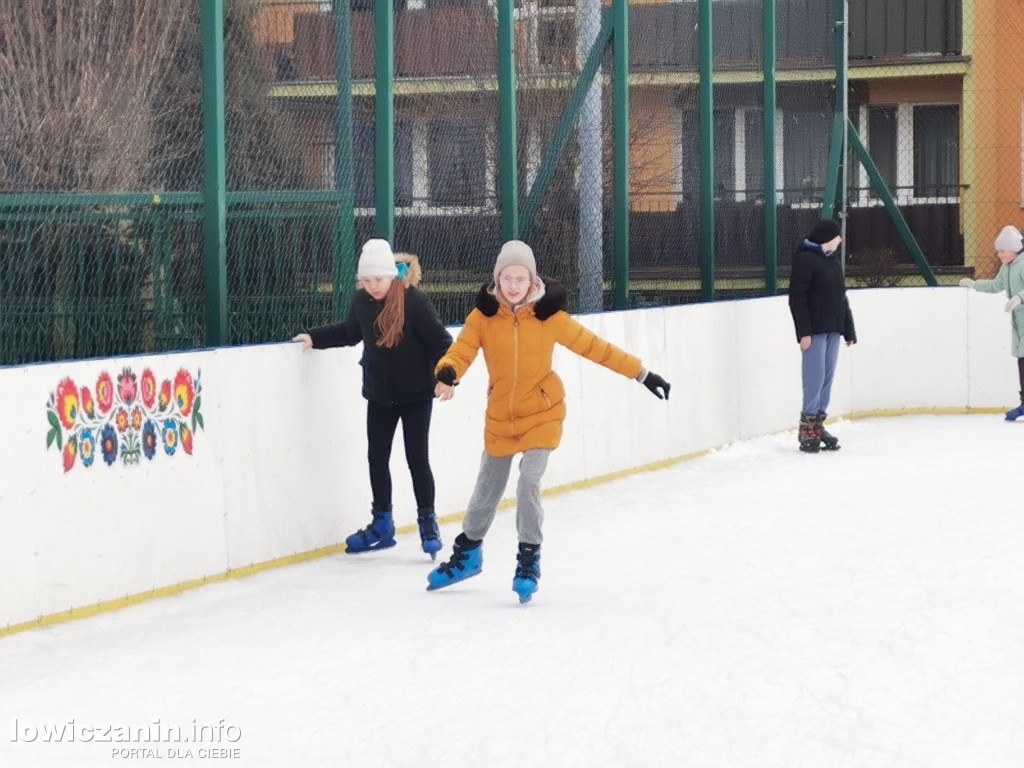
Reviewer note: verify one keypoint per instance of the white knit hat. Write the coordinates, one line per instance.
(1010, 239)
(377, 260)
(515, 253)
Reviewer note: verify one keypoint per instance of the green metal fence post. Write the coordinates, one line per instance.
(508, 172)
(214, 178)
(890, 206)
(384, 168)
(771, 211)
(835, 189)
(707, 152)
(344, 232)
(620, 296)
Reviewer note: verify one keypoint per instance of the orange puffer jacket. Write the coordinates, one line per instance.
(525, 398)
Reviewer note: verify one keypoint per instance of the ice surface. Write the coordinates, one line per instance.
(754, 607)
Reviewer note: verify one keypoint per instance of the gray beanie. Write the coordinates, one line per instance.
(1010, 239)
(515, 253)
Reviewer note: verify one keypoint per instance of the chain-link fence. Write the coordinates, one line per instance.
(103, 226)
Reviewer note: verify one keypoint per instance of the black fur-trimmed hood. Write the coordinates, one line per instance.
(555, 299)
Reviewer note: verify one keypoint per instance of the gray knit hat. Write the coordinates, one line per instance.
(1010, 239)
(515, 253)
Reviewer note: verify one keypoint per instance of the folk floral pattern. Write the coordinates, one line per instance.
(124, 417)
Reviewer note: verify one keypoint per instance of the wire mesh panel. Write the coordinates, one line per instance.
(102, 153)
(447, 145)
(94, 99)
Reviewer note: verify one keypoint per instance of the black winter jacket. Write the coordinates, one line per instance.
(405, 372)
(817, 294)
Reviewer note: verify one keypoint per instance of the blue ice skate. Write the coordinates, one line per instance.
(467, 560)
(430, 537)
(1015, 413)
(527, 576)
(379, 534)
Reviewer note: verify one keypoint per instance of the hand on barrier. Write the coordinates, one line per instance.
(967, 283)
(306, 339)
(1012, 304)
(654, 382)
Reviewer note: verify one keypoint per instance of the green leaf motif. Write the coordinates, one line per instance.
(60, 440)
(50, 437)
(53, 420)
(199, 420)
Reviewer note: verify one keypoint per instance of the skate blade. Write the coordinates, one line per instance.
(432, 588)
(374, 548)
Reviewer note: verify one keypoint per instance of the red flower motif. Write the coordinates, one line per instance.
(127, 386)
(137, 418)
(186, 439)
(184, 393)
(165, 394)
(122, 420)
(69, 455)
(88, 406)
(105, 392)
(148, 389)
(67, 403)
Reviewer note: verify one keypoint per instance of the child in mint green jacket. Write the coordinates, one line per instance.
(1010, 278)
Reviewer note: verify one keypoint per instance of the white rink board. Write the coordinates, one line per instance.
(280, 467)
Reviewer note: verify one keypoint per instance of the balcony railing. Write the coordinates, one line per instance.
(449, 40)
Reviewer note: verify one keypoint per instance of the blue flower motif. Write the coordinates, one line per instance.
(149, 439)
(87, 448)
(170, 436)
(108, 444)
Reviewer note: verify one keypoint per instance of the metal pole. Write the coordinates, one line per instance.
(707, 153)
(509, 167)
(620, 296)
(384, 70)
(591, 199)
(214, 174)
(842, 82)
(771, 211)
(344, 234)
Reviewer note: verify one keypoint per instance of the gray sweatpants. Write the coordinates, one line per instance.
(490, 485)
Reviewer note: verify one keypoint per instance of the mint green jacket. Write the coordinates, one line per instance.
(1010, 282)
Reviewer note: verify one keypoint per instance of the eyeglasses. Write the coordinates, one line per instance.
(509, 282)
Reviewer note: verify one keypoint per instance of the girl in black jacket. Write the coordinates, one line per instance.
(403, 338)
(821, 314)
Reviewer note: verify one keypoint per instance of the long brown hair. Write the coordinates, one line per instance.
(391, 319)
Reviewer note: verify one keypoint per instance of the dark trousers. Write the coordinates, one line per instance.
(381, 422)
(1020, 372)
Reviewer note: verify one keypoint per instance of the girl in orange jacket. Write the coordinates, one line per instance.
(517, 322)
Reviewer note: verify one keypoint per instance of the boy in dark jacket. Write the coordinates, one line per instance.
(403, 338)
(821, 314)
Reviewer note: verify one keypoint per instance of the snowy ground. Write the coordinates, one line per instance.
(755, 607)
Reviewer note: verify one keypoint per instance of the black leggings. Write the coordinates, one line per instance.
(1020, 372)
(381, 422)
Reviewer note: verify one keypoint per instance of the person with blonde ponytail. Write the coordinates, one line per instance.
(403, 338)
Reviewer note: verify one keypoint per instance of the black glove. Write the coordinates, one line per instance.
(654, 382)
(447, 376)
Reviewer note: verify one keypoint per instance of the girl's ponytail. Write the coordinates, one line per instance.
(391, 319)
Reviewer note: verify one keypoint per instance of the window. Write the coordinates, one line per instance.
(753, 152)
(556, 43)
(364, 152)
(937, 151)
(457, 161)
(724, 133)
(805, 148)
(882, 145)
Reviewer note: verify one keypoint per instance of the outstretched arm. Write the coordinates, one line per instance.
(344, 334)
